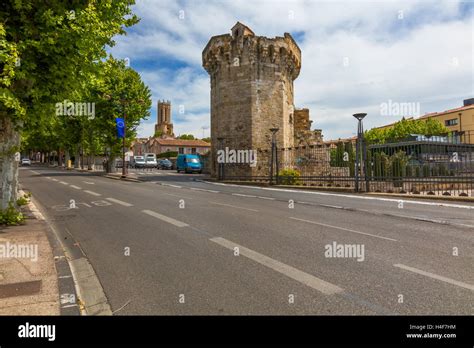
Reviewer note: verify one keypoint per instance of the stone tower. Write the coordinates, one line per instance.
(251, 92)
(163, 120)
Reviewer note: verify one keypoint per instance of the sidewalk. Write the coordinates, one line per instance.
(28, 269)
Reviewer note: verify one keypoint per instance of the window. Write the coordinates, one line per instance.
(193, 150)
(181, 150)
(452, 122)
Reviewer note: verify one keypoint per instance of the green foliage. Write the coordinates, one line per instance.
(403, 128)
(289, 177)
(186, 137)
(207, 140)
(158, 134)
(51, 51)
(22, 200)
(343, 156)
(169, 154)
(11, 216)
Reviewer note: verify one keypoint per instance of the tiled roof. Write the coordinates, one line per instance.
(180, 142)
(467, 107)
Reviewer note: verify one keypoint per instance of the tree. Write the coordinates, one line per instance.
(46, 50)
(186, 137)
(118, 92)
(403, 128)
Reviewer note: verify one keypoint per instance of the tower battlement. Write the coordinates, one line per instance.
(243, 48)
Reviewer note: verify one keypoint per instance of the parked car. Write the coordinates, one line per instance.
(138, 162)
(150, 160)
(25, 162)
(118, 163)
(165, 164)
(188, 163)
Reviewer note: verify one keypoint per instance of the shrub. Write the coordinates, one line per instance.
(169, 154)
(11, 216)
(289, 177)
(23, 200)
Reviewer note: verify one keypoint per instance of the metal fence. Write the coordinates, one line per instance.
(417, 165)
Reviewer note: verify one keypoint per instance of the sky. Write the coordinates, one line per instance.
(357, 56)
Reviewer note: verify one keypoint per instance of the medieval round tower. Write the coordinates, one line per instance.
(251, 92)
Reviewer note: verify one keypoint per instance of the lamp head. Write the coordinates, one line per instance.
(360, 116)
(274, 130)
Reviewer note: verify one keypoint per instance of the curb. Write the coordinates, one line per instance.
(120, 178)
(434, 197)
(76, 276)
(66, 287)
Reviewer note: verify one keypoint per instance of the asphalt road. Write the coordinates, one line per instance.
(207, 248)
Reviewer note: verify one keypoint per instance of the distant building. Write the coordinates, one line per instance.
(163, 119)
(459, 120)
(138, 146)
(161, 145)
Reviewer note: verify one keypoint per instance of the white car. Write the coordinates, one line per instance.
(25, 162)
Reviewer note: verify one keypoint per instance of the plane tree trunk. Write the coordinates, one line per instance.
(9, 145)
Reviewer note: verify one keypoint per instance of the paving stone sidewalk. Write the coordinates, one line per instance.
(28, 269)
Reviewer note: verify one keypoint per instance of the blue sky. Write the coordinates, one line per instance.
(356, 55)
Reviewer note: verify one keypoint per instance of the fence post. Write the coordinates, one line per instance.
(273, 155)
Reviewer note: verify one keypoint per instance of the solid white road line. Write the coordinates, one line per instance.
(179, 196)
(291, 272)
(165, 218)
(331, 206)
(396, 200)
(199, 189)
(92, 193)
(267, 198)
(76, 187)
(242, 195)
(171, 185)
(233, 206)
(125, 204)
(34, 171)
(435, 276)
(344, 229)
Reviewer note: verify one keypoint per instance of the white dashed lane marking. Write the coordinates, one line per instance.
(76, 187)
(435, 276)
(125, 204)
(92, 193)
(165, 218)
(289, 271)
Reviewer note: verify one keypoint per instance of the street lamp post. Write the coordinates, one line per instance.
(273, 154)
(360, 134)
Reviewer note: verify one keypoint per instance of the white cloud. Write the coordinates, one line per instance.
(412, 59)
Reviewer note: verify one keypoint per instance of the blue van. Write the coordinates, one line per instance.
(188, 163)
